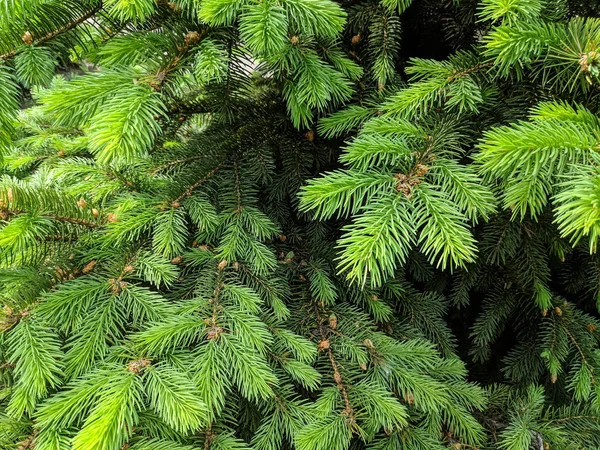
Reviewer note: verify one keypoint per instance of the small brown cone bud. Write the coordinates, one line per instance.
(60, 273)
(95, 212)
(294, 40)
(176, 260)
(128, 268)
(222, 264)
(61, 152)
(192, 37)
(89, 267)
(138, 365)
(363, 366)
(544, 312)
(9, 195)
(283, 238)
(356, 39)
(310, 135)
(553, 379)
(176, 205)
(111, 217)
(236, 266)
(558, 311)
(81, 202)
(214, 332)
(333, 323)
(374, 298)
(27, 38)
(421, 170)
(368, 343)
(324, 345)
(591, 327)
(302, 278)
(410, 399)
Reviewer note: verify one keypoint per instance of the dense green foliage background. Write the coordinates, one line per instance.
(299, 224)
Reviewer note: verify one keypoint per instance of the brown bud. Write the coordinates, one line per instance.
(214, 332)
(236, 266)
(363, 366)
(222, 264)
(368, 343)
(177, 260)
(138, 365)
(95, 212)
(333, 323)
(283, 238)
(294, 40)
(421, 170)
(356, 39)
(544, 312)
(81, 202)
(9, 195)
(553, 379)
(60, 273)
(61, 152)
(111, 217)
(176, 204)
(558, 311)
(301, 277)
(323, 344)
(89, 267)
(27, 38)
(591, 327)
(409, 397)
(374, 298)
(192, 37)
(128, 268)
(117, 286)
(310, 135)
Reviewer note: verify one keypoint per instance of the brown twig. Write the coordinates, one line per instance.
(189, 191)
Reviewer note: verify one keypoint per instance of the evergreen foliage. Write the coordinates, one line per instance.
(299, 224)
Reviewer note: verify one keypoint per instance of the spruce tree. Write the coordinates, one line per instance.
(299, 224)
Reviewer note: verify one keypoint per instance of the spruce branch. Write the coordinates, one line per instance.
(52, 35)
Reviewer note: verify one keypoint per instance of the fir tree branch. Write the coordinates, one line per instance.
(58, 32)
